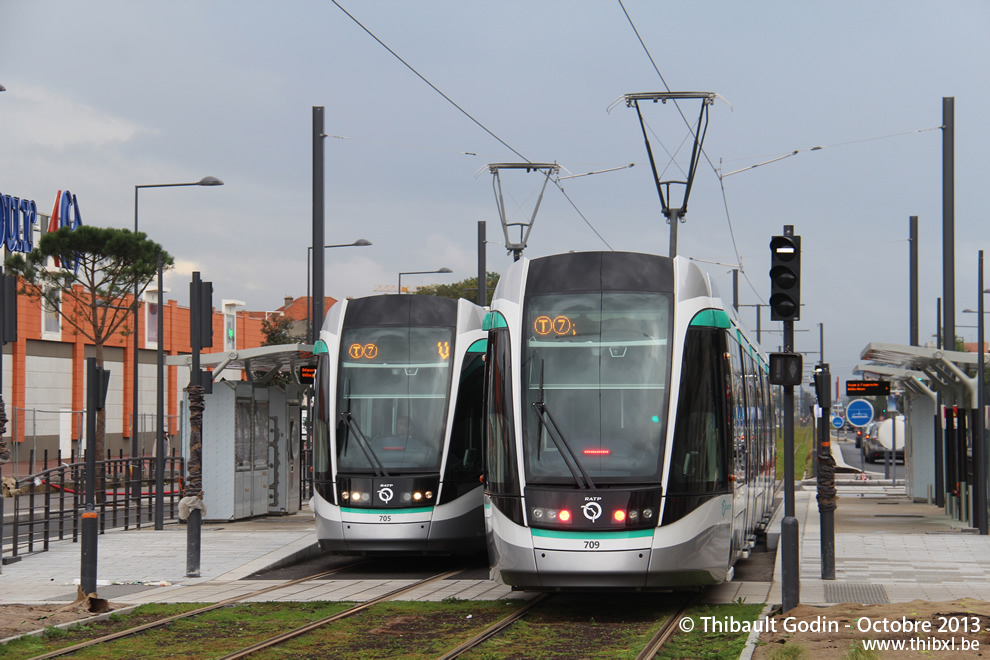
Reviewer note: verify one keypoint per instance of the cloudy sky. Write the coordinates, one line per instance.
(105, 95)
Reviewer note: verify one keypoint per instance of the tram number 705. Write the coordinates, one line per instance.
(384, 518)
(591, 545)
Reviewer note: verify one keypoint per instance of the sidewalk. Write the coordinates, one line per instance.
(888, 549)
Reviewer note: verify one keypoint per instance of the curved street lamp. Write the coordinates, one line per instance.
(421, 272)
(361, 242)
(160, 426)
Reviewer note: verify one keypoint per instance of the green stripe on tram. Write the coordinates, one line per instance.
(712, 318)
(494, 320)
(351, 509)
(631, 534)
(479, 346)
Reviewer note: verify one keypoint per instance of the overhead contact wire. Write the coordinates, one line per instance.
(434, 87)
(468, 115)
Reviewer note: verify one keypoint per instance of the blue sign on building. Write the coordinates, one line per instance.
(859, 412)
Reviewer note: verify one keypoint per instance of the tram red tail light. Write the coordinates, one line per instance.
(597, 452)
(619, 516)
(564, 515)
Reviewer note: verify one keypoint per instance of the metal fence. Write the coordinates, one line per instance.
(46, 506)
(34, 429)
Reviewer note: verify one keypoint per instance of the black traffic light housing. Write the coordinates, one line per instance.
(786, 368)
(822, 380)
(785, 278)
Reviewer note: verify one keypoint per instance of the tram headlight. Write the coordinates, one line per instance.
(538, 514)
(365, 497)
(647, 514)
(406, 497)
(417, 496)
(429, 494)
(355, 496)
(551, 514)
(633, 515)
(344, 495)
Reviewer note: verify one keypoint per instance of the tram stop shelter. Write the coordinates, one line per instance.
(940, 404)
(252, 429)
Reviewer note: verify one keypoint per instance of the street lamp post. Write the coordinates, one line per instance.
(160, 435)
(310, 334)
(421, 272)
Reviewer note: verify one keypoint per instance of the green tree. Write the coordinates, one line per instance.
(466, 288)
(276, 331)
(100, 267)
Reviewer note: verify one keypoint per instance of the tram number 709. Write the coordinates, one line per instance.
(591, 545)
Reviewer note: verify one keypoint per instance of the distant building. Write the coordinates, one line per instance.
(44, 372)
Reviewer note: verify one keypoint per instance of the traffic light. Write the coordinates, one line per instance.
(785, 278)
(822, 381)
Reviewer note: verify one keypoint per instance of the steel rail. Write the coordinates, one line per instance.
(494, 629)
(666, 631)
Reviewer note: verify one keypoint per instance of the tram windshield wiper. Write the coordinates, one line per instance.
(362, 442)
(581, 476)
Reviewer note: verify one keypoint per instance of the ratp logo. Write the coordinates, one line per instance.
(385, 495)
(592, 511)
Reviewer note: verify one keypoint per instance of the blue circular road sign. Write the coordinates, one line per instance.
(837, 422)
(859, 412)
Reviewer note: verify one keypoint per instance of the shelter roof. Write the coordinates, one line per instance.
(267, 359)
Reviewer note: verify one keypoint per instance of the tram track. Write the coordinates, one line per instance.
(667, 629)
(202, 610)
(651, 649)
(302, 630)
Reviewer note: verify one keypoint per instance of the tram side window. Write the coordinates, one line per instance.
(321, 436)
(500, 466)
(739, 415)
(699, 461)
(464, 459)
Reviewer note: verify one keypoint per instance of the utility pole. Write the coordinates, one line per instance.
(826, 473)
(482, 266)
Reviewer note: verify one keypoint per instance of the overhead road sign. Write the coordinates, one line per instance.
(867, 387)
(859, 412)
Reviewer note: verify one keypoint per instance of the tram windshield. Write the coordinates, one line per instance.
(394, 382)
(599, 363)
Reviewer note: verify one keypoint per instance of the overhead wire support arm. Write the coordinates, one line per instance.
(548, 170)
(674, 213)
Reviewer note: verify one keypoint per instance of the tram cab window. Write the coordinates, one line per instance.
(392, 385)
(599, 364)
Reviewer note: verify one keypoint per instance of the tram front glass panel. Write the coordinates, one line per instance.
(599, 362)
(394, 382)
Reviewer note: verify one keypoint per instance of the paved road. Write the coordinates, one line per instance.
(854, 457)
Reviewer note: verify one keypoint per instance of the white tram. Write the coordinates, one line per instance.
(630, 427)
(397, 437)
